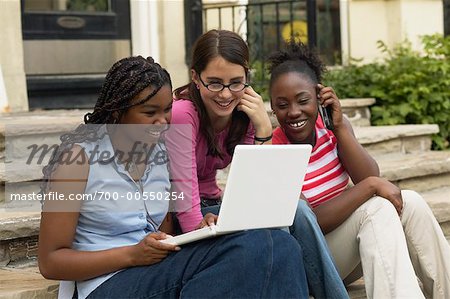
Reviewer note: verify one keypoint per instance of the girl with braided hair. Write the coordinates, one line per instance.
(108, 246)
(391, 233)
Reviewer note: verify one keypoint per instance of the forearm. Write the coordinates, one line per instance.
(70, 264)
(334, 212)
(355, 159)
(188, 209)
(190, 220)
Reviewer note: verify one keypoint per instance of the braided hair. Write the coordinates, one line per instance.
(296, 57)
(230, 46)
(126, 79)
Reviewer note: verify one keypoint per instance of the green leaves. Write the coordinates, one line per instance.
(410, 87)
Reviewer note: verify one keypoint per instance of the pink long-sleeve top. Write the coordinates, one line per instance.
(195, 177)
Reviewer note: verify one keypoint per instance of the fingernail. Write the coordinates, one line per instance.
(177, 248)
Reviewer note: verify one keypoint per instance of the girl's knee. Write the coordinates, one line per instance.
(263, 243)
(414, 204)
(412, 199)
(378, 207)
(284, 243)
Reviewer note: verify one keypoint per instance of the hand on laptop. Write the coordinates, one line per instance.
(150, 250)
(209, 220)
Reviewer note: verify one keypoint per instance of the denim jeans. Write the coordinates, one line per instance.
(323, 278)
(250, 264)
(211, 209)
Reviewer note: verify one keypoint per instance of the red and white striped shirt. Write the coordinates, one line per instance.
(325, 176)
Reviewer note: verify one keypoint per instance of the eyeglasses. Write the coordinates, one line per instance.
(216, 87)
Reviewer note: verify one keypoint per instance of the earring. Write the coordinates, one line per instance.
(198, 86)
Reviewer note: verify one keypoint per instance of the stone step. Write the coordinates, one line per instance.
(417, 171)
(36, 127)
(24, 283)
(18, 236)
(356, 290)
(439, 202)
(357, 110)
(405, 139)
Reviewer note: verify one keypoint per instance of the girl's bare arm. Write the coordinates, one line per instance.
(57, 259)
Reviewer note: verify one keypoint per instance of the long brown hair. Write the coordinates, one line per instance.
(231, 47)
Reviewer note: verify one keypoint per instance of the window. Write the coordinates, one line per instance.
(75, 19)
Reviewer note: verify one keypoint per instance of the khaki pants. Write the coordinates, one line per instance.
(393, 250)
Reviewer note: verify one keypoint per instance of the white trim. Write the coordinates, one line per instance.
(4, 106)
(144, 28)
(344, 10)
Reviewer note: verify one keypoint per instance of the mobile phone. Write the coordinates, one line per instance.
(325, 113)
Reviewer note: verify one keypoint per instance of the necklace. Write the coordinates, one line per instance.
(135, 172)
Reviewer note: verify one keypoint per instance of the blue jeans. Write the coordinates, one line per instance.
(323, 278)
(211, 209)
(250, 264)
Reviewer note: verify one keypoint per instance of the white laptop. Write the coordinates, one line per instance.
(262, 191)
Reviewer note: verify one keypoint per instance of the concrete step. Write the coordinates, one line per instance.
(24, 283)
(9, 191)
(18, 236)
(357, 110)
(417, 171)
(404, 139)
(439, 202)
(27, 128)
(357, 290)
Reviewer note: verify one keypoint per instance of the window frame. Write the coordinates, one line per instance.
(49, 25)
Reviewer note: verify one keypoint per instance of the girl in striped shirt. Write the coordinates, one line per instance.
(391, 233)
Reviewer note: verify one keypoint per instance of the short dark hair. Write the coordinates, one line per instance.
(296, 57)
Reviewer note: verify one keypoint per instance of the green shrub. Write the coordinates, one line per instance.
(409, 87)
(259, 79)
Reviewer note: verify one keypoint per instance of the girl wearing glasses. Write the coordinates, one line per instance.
(223, 111)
